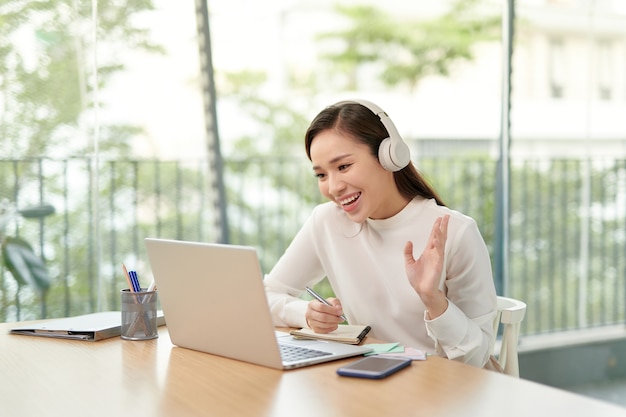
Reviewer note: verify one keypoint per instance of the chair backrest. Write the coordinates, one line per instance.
(510, 314)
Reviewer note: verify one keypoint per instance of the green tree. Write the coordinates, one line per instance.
(47, 98)
(46, 84)
(407, 50)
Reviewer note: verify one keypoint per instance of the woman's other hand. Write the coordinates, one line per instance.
(424, 273)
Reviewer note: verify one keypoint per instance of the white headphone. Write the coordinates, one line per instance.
(393, 152)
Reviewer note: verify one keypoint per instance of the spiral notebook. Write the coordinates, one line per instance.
(352, 334)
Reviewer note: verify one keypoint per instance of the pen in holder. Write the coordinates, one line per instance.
(139, 314)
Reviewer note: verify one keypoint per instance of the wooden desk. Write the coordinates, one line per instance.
(118, 378)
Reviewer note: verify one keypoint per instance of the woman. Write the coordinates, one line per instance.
(396, 257)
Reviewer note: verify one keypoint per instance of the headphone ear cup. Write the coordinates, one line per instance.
(393, 155)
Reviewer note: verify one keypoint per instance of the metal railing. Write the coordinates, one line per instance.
(567, 225)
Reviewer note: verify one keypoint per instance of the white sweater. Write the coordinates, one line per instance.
(365, 266)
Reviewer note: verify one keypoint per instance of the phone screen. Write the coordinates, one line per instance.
(374, 367)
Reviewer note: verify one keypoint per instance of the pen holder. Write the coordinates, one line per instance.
(139, 315)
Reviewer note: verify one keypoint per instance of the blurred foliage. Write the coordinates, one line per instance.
(406, 50)
(47, 93)
(46, 83)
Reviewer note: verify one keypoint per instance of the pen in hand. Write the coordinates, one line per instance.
(322, 300)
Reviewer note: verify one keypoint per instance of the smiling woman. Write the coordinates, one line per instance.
(362, 130)
(347, 165)
(347, 171)
(395, 256)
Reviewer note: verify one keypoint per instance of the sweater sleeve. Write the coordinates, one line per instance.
(464, 332)
(298, 267)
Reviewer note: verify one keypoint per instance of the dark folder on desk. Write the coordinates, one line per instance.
(91, 327)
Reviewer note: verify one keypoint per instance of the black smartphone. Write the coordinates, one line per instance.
(374, 367)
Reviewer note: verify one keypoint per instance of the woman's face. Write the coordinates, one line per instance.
(352, 177)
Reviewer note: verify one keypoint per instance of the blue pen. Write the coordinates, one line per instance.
(135, 281)
(131, 274)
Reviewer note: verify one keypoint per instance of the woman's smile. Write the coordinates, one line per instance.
(352, 177)
(350, 202)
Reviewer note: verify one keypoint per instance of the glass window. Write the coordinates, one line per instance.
(112, 127)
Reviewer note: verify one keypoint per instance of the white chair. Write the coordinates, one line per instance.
(510, 314)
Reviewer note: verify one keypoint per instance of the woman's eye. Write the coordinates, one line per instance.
(343, 167)
(319, 176)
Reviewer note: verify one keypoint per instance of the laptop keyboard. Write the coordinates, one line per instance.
(293, 353)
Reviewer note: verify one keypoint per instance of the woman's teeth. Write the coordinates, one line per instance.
(350, 200)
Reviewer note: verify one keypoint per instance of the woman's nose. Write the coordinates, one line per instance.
(335, 185)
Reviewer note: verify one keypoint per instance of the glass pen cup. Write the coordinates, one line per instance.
(139, 315)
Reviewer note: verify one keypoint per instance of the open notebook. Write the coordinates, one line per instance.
(345, 333)
(214, 301)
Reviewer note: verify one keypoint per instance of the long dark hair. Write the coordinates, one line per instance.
(359, 122)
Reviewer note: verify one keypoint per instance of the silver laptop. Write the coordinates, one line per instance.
(213, 299)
